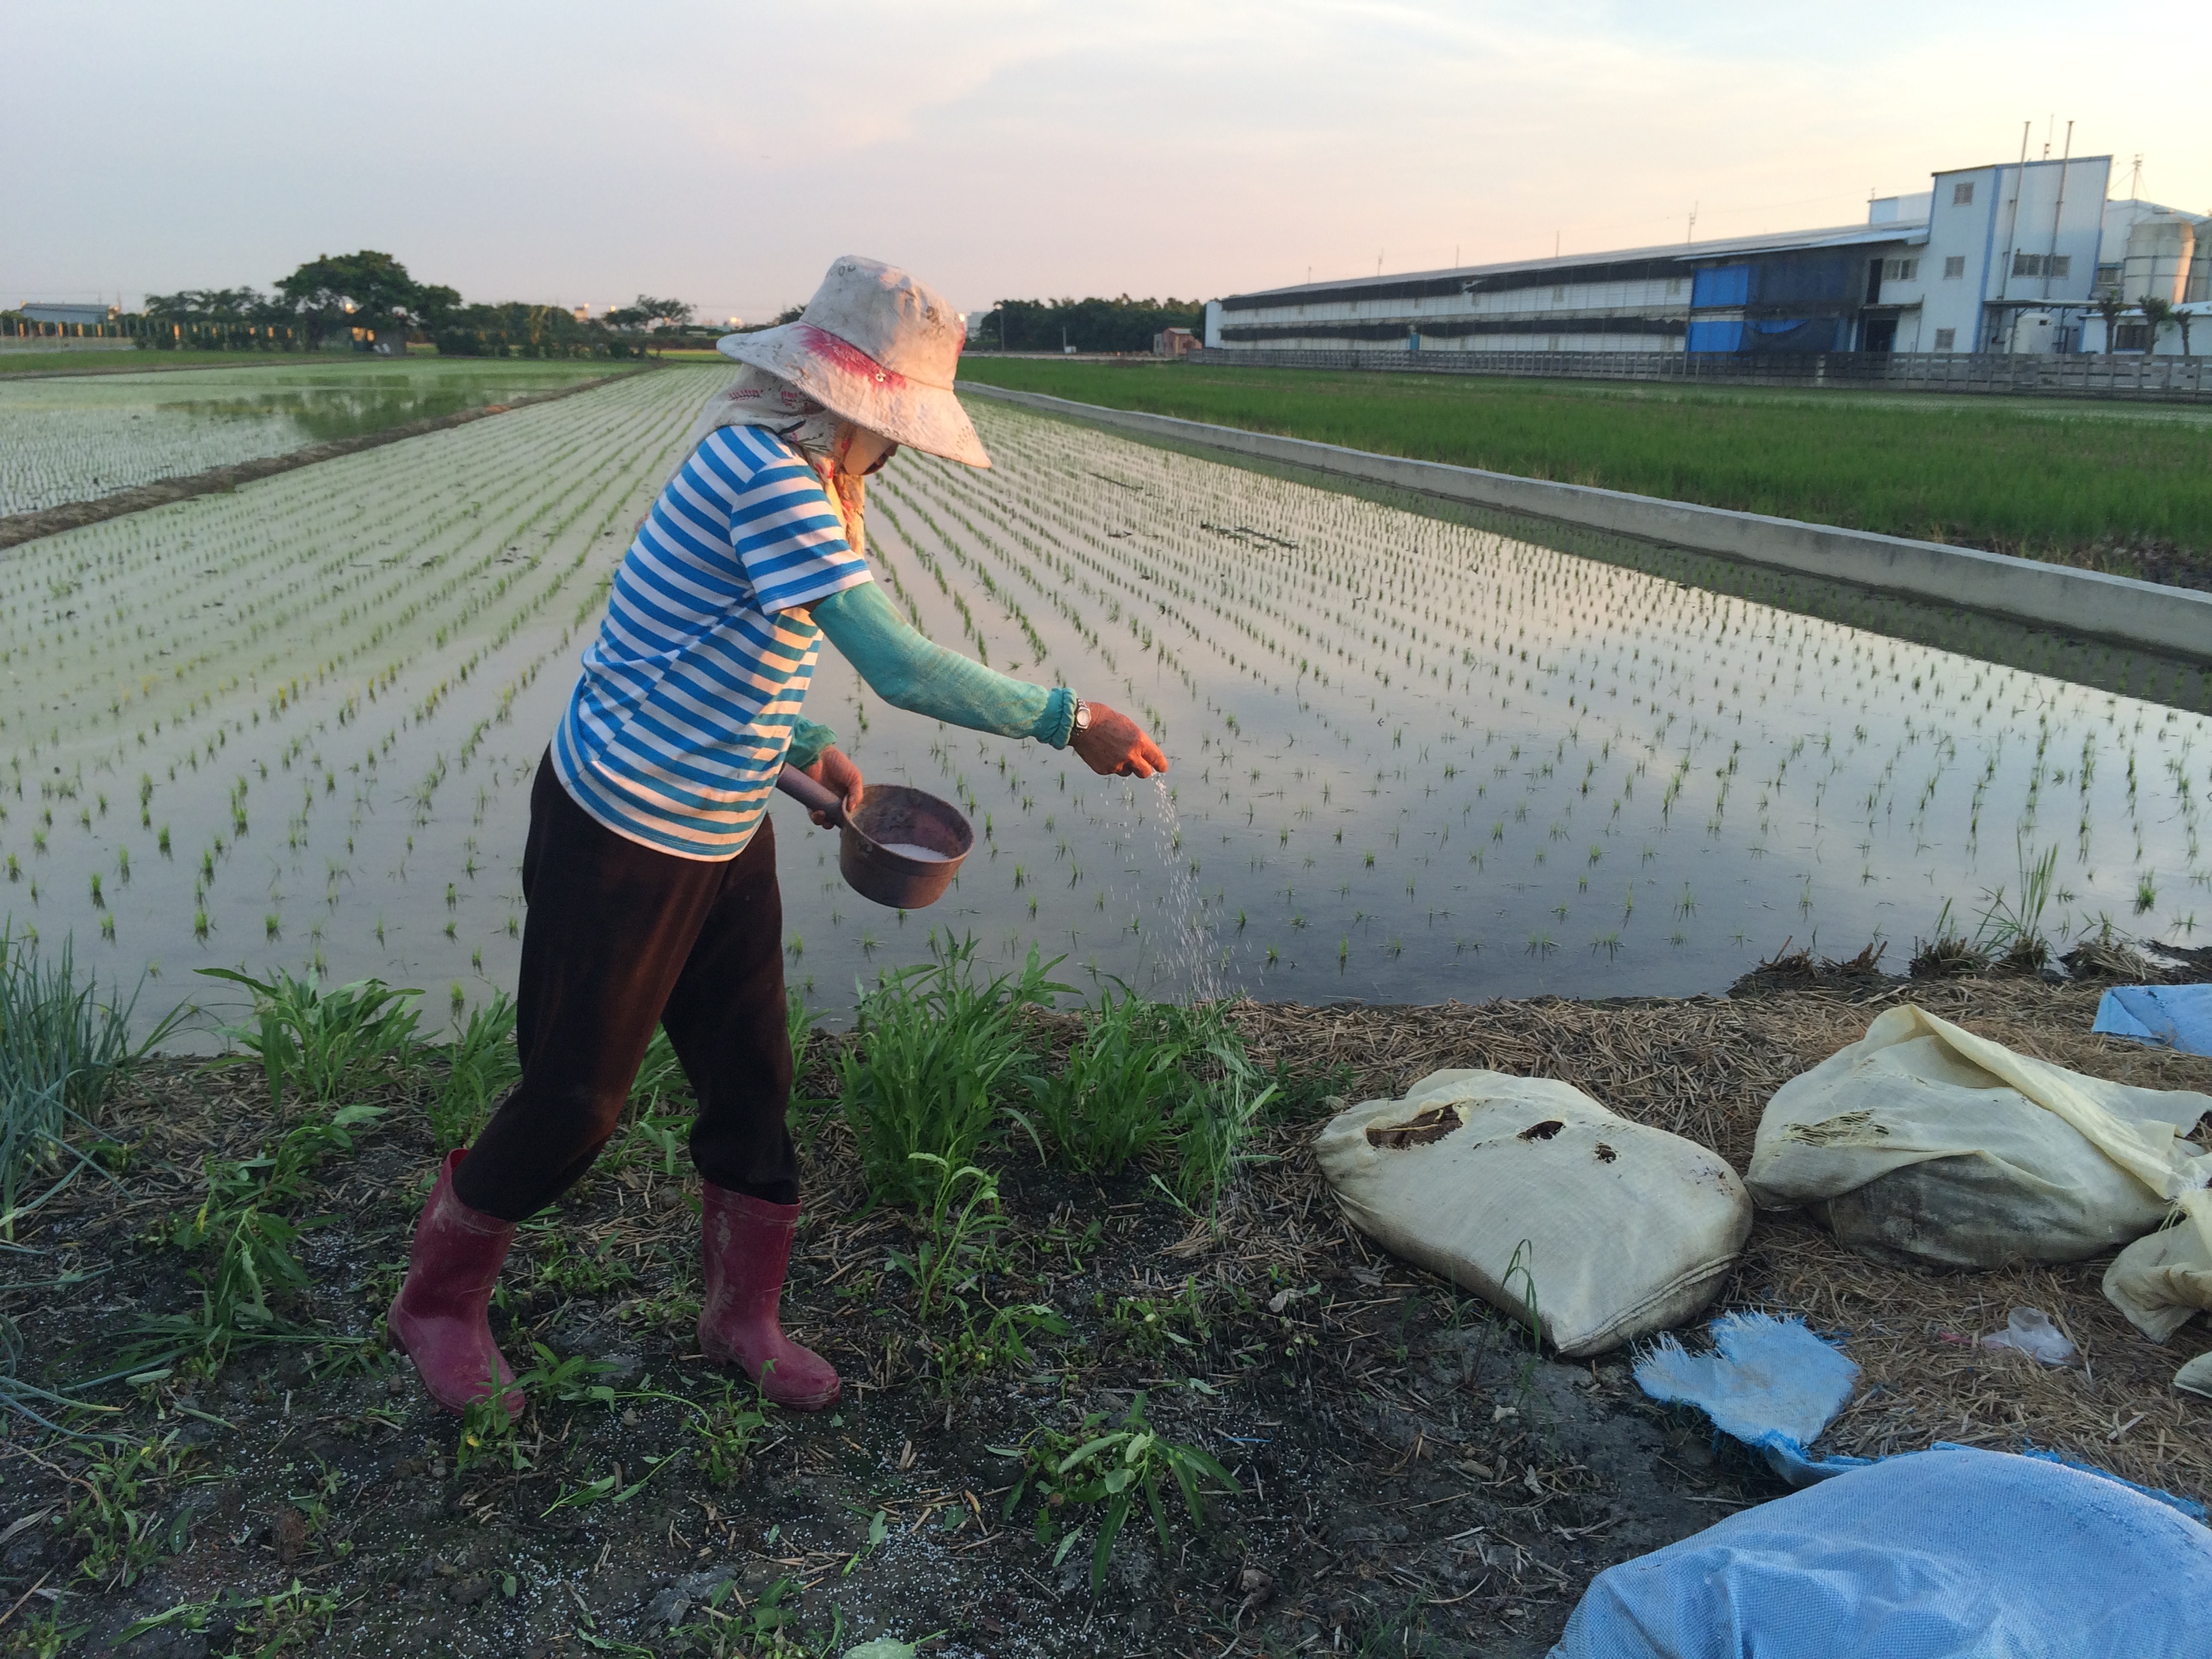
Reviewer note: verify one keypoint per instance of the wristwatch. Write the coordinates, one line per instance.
(1082, 717)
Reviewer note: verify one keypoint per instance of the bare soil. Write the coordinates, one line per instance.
(1413, 1480)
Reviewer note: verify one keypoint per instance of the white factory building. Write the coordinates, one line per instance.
(2009, 258)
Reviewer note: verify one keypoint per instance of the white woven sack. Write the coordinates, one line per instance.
(1923, 1140)
(2163, 1278)
(1506, 1185)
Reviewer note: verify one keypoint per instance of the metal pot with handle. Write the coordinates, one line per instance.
(902, 849)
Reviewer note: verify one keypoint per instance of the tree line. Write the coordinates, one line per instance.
(1094, 324)
(333, 296)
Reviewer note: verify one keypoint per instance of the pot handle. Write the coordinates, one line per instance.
(812, 795)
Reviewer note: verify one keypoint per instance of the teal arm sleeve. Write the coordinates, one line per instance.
(909, 672)
(808, 740)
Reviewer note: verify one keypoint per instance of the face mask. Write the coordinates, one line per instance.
(865, 452)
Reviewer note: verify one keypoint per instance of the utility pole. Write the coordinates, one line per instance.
(1693, 235)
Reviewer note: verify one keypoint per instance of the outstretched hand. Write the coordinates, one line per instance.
(834, 770)
(1117, 746)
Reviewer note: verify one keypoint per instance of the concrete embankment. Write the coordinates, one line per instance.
(2148, 615)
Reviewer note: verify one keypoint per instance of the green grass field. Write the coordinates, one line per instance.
(2127, 488)
(129, 357)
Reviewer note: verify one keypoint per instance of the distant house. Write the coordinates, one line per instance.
(1174, 341)
(81, 316)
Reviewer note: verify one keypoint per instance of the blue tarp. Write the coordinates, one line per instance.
(1775, 1386)
(2172, 1015)
(1770, 1382)
(1953, 1553)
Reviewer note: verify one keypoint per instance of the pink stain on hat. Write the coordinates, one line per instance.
(878, 348)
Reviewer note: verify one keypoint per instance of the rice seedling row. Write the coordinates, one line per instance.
(78, 439)
(1418, 760)
(294, 725)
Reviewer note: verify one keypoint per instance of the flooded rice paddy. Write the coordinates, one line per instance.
(294, 727)
(74, 438)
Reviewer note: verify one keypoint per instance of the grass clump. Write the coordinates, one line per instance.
(1153, 1083)
(248, 1226)
(1122, 1085)
(482, 1064)
(327, 1044)
(62, 1048)
(937, 1051)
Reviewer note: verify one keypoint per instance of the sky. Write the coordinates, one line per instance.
(724, 153)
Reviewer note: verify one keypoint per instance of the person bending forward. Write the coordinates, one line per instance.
(650, 868)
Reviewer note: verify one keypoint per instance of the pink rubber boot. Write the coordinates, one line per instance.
(440, 1314)
(745, 1250)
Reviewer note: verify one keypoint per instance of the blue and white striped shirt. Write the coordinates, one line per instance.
(676, 731)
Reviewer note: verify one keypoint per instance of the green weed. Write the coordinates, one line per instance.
(482, 1064)
(729, 1433)
(1114, 1098)
(965, 1332)
(327, 1044)
(241, 1220)
(117, 1514)
(1154, 1328)
(1087, 1475)
(937, 1047)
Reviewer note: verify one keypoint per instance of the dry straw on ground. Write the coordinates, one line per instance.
(1705, 1068)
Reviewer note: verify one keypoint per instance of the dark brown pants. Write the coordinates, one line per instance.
(621, 938)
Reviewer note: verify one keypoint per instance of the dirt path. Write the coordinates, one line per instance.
(1410, 1479)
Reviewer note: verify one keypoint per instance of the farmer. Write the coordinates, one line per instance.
(650, 868)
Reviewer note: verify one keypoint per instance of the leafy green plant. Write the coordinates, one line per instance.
(1122, 1081)
(767, 1628)
(936, 1047)
(242, 1219)
(1154, 1327)
(1087, 1475)
(958, 1230)
(482, 1064)
(948, 1267)
(1213, 1129)
(729, 1433)
(117, 1512)
(327, 1044)
(489, 1432)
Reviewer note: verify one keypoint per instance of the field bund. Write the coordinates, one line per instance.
(2146, 616)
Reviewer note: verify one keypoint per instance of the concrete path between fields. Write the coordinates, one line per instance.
(2148, 615)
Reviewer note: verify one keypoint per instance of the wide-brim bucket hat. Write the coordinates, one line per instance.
(881, 350)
